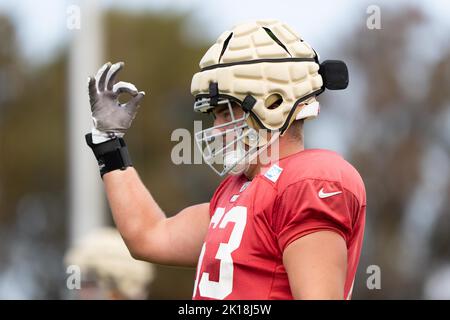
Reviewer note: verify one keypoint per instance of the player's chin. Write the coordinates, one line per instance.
(250, 170)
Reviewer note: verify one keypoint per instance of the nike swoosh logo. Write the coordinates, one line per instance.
(323, 195)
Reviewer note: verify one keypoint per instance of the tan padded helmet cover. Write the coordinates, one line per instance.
(291, 80)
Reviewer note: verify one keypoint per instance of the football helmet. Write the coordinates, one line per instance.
(103, 258)
(273, 75)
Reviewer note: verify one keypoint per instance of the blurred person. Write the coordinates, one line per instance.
(107, 269)
(285, 223)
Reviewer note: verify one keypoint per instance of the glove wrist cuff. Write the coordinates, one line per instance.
(111, 155)
(101, 136)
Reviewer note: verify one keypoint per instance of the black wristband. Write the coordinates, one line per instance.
(111, 155)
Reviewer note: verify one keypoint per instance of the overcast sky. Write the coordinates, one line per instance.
(42, 28)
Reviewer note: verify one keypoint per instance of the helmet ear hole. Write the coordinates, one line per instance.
(273, 101)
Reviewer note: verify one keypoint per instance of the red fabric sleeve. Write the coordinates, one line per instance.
(301, 211)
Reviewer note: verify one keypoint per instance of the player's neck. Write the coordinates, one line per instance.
(286, 147)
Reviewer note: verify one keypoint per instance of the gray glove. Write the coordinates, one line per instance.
(111, 118)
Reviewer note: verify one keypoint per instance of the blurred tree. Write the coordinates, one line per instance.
(11, 77)
(160, 59)
(394, 134)
(32, 175)
(11, 71)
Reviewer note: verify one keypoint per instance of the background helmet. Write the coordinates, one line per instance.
(105, 261)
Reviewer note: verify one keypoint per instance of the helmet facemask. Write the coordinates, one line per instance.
(232, 146)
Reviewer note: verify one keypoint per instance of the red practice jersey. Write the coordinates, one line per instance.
(252, 223)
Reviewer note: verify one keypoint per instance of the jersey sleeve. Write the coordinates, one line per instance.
(313, 205)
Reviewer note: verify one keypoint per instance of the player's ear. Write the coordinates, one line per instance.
(295, 130)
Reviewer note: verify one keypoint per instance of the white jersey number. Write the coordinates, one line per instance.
(222, 288)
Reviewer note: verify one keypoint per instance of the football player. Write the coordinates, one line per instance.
(285, 223)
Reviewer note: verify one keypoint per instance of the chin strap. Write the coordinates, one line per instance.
(274, 137)
(111, 155)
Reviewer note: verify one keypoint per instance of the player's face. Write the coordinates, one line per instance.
(222, 114)
(224, 143)
(227, 114)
